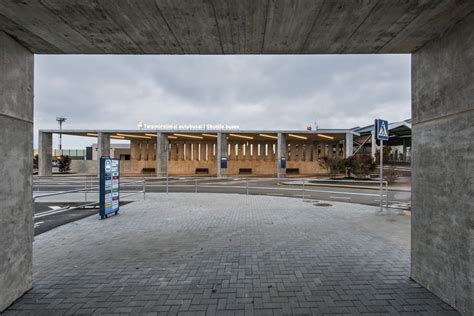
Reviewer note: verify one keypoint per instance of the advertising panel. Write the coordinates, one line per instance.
(109, 186)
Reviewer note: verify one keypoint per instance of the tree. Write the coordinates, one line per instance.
(333, 165)
(64, 163)
(35, 161)
(360, 165)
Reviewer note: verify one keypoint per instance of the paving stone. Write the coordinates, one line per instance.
(214, 254)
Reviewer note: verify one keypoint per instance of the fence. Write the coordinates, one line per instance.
(130, 187)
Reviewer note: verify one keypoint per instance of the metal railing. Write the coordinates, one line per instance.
(90, 185)
(190, 184)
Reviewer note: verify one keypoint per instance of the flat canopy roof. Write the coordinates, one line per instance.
(228, 26)
(257, 135)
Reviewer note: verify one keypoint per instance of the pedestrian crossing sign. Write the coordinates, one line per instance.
(381, 129)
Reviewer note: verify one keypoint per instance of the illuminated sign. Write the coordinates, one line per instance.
(181, 127)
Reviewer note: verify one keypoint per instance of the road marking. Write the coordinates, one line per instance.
(340, 197)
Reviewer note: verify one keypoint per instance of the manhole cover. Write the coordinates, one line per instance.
(323, 204)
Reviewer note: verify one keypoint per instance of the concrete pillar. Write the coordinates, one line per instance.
(281, 153)
(45, 149)
(221, 151)
(404, 152)
(16, 169)
(442, 235)
(103, 145)
(161, 154)
(374, 144)
(349, 145)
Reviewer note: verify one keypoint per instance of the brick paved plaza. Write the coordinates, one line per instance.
(228, 254)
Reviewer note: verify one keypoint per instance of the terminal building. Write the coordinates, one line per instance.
(209, 152)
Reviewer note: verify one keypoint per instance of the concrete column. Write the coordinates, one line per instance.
(16, 166)
(442, 237)
(45, 149)
(374, 144)
(103, 145)
(180, 151)
(404, 152)
(161, 154)
(103, 148)
(349, 145)
(221, 151)
(281, 153)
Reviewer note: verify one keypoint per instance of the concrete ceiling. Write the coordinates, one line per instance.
(228, 26)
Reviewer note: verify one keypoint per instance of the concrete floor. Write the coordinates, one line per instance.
(228, 254)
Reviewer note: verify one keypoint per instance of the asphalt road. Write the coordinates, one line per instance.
(262, 186)
(48, 215)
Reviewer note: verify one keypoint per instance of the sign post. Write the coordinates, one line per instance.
(381, 133)
(109, 186)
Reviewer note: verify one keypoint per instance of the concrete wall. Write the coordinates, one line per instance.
(16, 146)
(443, 166)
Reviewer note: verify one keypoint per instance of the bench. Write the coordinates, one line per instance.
(292, 170)
(245, 170)
(202, 170)
(148, 170)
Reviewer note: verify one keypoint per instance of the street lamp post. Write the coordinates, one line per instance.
(60, 120)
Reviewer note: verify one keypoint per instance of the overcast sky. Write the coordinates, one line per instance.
(254, 92)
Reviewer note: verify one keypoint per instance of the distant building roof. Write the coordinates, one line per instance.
(402, 128)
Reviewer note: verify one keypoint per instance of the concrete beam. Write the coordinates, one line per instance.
(45, 150)
(162, 146)
(227, 26)
(16, 169)
(442, 236)
(221, 152)
(349, 145)
(281, 153)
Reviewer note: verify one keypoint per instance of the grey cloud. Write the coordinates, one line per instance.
(251, 91)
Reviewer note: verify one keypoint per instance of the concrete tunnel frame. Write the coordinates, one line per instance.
(439, 34)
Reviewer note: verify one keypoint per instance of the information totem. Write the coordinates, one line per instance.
(109, 186)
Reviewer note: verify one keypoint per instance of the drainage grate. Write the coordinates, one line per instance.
(322, 204)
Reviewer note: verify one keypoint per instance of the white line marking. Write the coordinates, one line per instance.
(340, 197)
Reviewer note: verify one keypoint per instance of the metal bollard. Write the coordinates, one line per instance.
(167, 189)
(303, 189)
(144, 189)
(247, 186)
(386, 194)
(196, 186)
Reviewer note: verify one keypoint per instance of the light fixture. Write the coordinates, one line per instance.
(117, 137)
(241, 136)
(133, 136)
(268, 136)
(298, 136)
(92, 134)
(325, 136)
(209, 135)
(172, 137)
(190, 136)
(152, 135)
